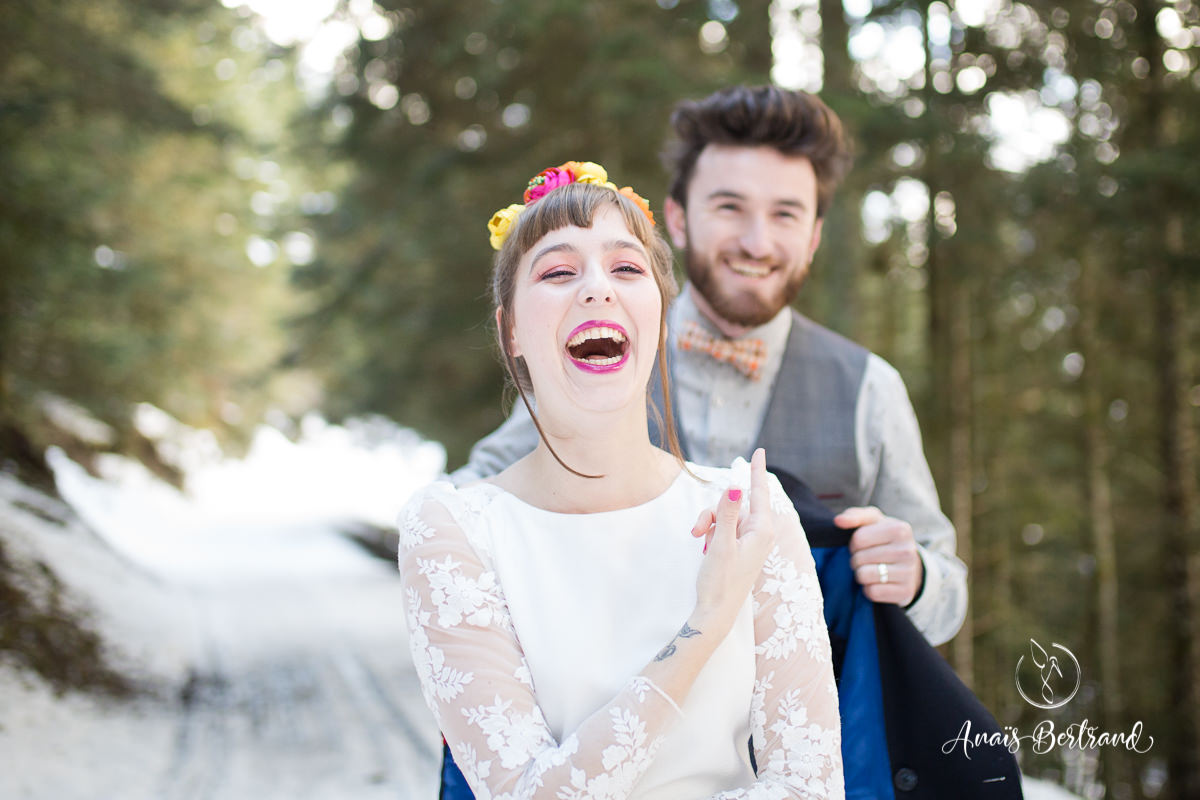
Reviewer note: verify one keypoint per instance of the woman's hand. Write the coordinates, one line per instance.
(734, 551)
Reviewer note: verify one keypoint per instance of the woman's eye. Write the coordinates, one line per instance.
(556, 273)
(629, 268)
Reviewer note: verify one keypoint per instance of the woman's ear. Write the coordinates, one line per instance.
(676, 222)
(513, 349)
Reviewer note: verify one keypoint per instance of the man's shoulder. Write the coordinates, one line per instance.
(814, 346)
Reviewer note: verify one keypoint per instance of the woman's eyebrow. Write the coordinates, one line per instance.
(561, 247)
(624, 244)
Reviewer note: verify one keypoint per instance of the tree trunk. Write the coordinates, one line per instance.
(750, 38)
(835, 48)
(962, 474)
(950, 369)
(842, 248)
(1182, 528)
(1100, 521)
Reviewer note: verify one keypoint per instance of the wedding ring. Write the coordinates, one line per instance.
(883, 573)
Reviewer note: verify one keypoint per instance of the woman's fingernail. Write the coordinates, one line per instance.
(705, 550)
(735, 495)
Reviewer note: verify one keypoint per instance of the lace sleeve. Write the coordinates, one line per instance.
(794, 720)
(477, 683)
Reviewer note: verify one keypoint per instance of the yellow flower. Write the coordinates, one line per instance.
(501, 223)
(589, 172)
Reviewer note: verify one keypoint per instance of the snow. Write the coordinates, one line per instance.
(273, 648)
(1035, 789)
(274, 513)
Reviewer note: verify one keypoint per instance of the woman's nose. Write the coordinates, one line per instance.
(596, 288)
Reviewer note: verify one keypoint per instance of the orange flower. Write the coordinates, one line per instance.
(586, 171)
(641, 202)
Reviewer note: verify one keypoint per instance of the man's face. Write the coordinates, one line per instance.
(749, 232)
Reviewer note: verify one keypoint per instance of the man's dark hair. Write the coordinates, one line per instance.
(794, 123)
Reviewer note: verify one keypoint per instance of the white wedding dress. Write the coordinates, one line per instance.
(529, 629)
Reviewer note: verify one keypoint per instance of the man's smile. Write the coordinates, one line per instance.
(748, 269)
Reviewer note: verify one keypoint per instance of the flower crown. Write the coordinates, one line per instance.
(547, 181)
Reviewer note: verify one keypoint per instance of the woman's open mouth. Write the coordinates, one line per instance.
(598, 346)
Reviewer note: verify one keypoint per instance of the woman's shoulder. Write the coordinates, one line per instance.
(441, 506)
(473, 496)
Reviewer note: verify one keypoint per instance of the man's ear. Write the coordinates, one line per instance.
(815, 242)
(676, 222)
(513, 349)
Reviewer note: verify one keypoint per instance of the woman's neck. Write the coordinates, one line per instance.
(616, 448)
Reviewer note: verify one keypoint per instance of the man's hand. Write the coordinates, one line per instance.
(883, 555)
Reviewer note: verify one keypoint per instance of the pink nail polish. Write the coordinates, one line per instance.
(735, 495)
(705, 550)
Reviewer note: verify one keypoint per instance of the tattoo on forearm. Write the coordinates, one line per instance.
(686, 632)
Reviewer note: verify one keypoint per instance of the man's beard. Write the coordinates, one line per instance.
(745, 310)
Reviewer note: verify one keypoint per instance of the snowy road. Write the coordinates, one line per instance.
(275, 647)
(298, 692)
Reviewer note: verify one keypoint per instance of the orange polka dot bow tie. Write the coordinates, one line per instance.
(745, 355)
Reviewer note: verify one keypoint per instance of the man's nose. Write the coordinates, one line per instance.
(756, 238)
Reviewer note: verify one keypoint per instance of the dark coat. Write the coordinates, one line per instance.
(900, 702)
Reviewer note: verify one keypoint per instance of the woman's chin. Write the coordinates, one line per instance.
(585, 393)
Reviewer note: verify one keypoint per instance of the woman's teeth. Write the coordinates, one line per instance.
(596, 333)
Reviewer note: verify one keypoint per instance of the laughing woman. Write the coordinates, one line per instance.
(578, 632)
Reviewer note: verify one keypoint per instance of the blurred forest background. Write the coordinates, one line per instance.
(243, 212)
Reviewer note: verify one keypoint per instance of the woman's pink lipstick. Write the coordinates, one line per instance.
(588, 366)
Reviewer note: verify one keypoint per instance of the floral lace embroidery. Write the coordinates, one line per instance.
(805, 747)
(438, 680)
(413, 530)
(458, 597)
(514, 736)
(758, 711)
(795, 621)
(624, 761)
(522, 674)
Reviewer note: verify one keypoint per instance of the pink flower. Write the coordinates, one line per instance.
(547, 181)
